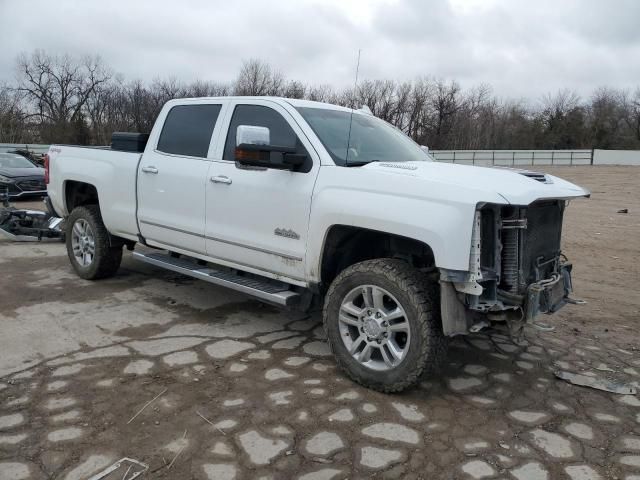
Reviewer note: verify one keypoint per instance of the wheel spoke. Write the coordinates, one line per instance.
(77, 229)
(354, 322)
(397, 313)
(378, 298)
(365, 354)
(367, 294)
(351, 309)
(400, 327)
(356, 344)
(388, 359)
(395, 351)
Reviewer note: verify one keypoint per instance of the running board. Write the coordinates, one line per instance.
(269, 291)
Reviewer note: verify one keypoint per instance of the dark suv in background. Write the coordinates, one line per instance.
(20, 177)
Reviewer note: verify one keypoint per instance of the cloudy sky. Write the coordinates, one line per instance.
(522, 48)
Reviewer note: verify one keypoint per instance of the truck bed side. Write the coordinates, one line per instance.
(112, 173)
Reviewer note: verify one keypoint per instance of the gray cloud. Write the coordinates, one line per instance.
(521, 48)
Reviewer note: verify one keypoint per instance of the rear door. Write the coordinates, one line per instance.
(172, 176)
(259, 217)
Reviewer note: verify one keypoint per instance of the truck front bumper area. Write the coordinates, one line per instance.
(544, 296)
(549, 295)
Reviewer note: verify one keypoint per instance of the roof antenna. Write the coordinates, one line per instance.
(355, 86)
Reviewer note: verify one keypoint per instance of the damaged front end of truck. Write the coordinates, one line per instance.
(517, 270)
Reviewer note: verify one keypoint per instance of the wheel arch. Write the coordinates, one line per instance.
(77, 194)
(358, 244)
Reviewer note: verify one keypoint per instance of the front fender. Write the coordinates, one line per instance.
(440, 220)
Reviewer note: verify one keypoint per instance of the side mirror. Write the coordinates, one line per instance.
(252, 135)
(253, 148)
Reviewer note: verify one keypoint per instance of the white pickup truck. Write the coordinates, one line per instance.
(301, 203)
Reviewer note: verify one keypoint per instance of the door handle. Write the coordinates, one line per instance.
(221, 179)
(149, 169)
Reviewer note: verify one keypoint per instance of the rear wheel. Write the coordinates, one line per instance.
(88, 245)
(383, 324)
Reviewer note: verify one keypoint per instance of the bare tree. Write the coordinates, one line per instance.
(13, 123)
(68, 99)
(259, 78)
(631, 111)
(57, 89)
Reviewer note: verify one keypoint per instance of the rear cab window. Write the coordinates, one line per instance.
(187, 130)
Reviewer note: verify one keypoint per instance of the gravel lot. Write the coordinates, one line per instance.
(200, 382)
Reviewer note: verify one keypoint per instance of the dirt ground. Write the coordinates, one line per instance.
(200, 382)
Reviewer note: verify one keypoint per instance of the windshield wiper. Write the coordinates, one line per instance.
(360, 163)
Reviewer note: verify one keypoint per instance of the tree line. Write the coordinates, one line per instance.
(80, 100)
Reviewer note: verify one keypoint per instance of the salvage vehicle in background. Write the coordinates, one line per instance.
(20, 177)
(298, 202)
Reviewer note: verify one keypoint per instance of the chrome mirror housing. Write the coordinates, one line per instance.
(252, 135)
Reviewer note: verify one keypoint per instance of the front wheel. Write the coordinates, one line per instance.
(88, 245)
(383, 324)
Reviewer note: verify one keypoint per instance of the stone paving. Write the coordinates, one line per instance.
(246, 401)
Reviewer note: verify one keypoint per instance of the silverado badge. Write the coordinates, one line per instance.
(282, 232)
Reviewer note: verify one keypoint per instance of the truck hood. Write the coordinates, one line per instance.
(517, 187)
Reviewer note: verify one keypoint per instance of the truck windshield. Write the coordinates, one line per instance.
(371, 139)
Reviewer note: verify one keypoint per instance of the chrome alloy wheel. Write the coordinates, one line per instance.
(374, 327)
(83, 242)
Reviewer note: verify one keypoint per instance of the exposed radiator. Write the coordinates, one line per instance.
(510, 255)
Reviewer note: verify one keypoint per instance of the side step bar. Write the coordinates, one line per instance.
(269, 291)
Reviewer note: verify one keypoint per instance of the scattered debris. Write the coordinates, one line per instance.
(597, 383)
(623, 210)
(146, 405)
(210, 422)
(179, 451)
(23, 225)
(139, 467)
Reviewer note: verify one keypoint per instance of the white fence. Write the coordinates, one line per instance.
(515, 157)
(616, 157)
(523, 158)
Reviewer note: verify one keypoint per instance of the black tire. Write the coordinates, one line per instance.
(106, 261)
(418, 295)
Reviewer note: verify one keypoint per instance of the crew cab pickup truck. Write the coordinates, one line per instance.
(305, 204)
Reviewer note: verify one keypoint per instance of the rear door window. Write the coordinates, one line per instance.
(187, 130)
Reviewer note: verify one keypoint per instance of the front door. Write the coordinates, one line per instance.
(172, 178)
(259, 217)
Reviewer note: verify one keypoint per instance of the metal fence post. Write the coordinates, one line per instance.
(493, 157)
(533, 157)
(571, 159)
(552, 152)
(454, 156)
(473, 158)
(592, 150)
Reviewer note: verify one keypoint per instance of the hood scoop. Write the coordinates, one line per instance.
(537, 176)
